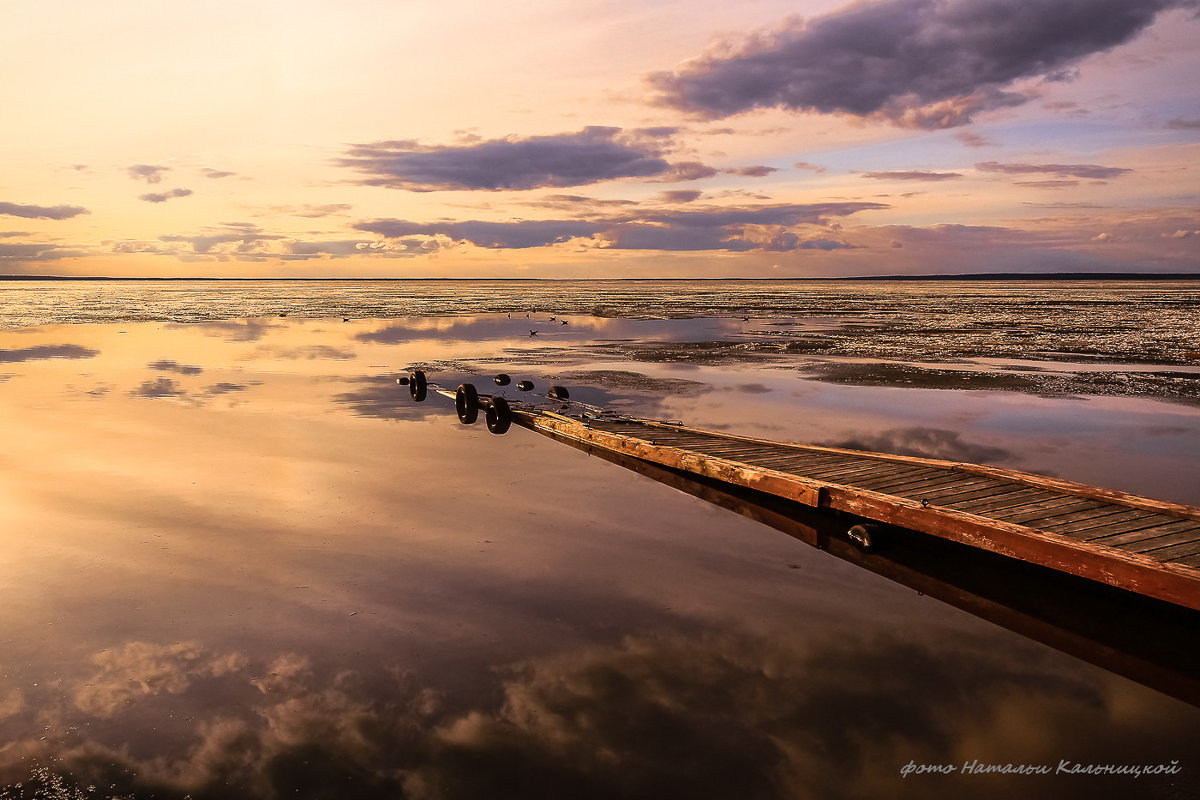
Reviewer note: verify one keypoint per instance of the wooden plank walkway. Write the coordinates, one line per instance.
(1135, 543)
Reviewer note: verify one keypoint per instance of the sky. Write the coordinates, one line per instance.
(598, 139)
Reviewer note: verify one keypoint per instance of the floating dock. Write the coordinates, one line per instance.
(1145, 546)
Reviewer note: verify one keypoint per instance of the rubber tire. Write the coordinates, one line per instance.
(466, 404)
(498, 416)
(558, 393)
(525, 386)
(865, 536)
(417, 386)
(402, 380)
(502, 379)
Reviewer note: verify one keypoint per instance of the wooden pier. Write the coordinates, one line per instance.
(1145, 546)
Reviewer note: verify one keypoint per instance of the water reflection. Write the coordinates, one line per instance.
(308, 585)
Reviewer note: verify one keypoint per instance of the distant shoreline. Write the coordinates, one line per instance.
(972, 276)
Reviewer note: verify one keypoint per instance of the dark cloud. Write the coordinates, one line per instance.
(311, 211)
(301, 251)
(209, 172)
(35, 252)
(1048, 184)
(41, 212)
(174, 366)
(577, 203)
(250, 330)
(1183, 124)
(497, 235)
(159, 387)
(247, 236)
(715, 228)
(919, 63)
(150, 173)
(686, 171)
(757, 171)
(970, 139)
(680, 196)
(912, 175)
(657, 714)
(591, 155)
(926, 443)
(1059, 170)
(310, 352)
(162, 197)
(224, 387)
(44, 351)
(379, 397)
(12, 234)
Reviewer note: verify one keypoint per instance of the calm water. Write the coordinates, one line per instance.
(237, 561)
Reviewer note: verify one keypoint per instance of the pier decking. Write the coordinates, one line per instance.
(1135, 543)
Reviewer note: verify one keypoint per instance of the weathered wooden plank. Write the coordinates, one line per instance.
(876, 477)
(1085, 528)
(797, 458)
(910, 479)
(1032, 517)
(1166, 540)
(1056, 500)
(966, 483)
(800, 466)
(1105, 510)
(1187, 561)
(1133, 525)
(985, 499)
(1141, 534)
(1014, 501)
(1107, 565)
(1183, 549)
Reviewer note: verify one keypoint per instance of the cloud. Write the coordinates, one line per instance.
(1183, 124)
(150, 173)
(301, 251)
(495, 235)
(162, 197)
(926, 443)
(247, 236)
(912, 175)
(1060, 170)
(41, 212)
(314, 211)
(741, 228)
(44, 351)
(918, 63)
(249, 330)
(310, 352)
(224, 387)
(159, 387)
(757, 171)
(588, 156)
(209, 172)
(1048, 184)
(686, 171)
(22, 251)
(680, 196)
(174, 366)
(808, 166)
(971, 139)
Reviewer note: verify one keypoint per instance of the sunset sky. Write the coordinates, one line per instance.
(579, 138)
